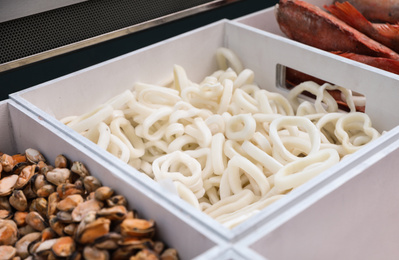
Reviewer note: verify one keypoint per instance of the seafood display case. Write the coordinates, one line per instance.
(346, 211)
(264, 53)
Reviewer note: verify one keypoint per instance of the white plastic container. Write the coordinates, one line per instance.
(20, 129)
(353, 216)
(260, 51)
(265, 21)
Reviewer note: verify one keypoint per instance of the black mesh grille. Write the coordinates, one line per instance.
(37, 33)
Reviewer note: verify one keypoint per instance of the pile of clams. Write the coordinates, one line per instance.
(62, 212)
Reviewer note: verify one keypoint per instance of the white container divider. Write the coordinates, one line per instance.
(21, 129)
(218, 252)
(352, 217)
(239, 252)
(259, 51)
(231, 252)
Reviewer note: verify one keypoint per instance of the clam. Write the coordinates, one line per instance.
(19, 158)
(48, 233)
(92, 253)
(5, 214)
(8, 232)
(32, 247)
(88, 218)
(80, 169)
(145, 254)
(41, 165)
(25, 176)
(43, 248)
(109, 241)
(66, 189)
(113, 213)
(116, 200)
(158, 247)
(24, 230)
(39, 205)
(36, 221)
(39, 180)
(45, 168)
(134, 243)
(70, 202)
(7, 184)
(18, 200)
(22, 244)
(29, 190)
(20, 218)
(83, 208)
(79, 183)
(52, 202)
(70, 229)
(56, 225)
(103, 193)
(5, 203)
(170, 254)
(129, 251)
(91, 231)
(34, 156)
(58, 176)
(91, 196)
(7, 162)
(91, 183)
(64, 217)
(17, 169)
(63, 247)
(45, 191)
(137, 227)
(7, 252)
(61, 161)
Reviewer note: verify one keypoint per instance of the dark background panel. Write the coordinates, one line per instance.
(39, 72)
